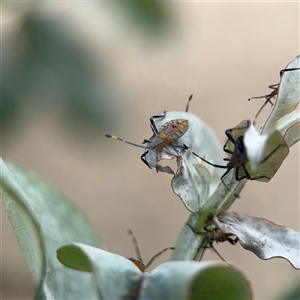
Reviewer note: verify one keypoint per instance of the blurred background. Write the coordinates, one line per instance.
(72, 72)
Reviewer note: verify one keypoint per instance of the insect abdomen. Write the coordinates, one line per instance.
(171, 131)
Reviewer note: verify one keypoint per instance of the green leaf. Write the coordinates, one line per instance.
(264, 238)
(220, 282)
(43, 221)
(72, 257)
(195, 280)
(118, 278)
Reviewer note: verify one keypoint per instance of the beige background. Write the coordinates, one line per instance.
(223, 53)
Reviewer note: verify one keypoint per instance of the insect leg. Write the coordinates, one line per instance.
(269, 96)
(247, 175)
(201, 232)
(143, 158)
(229, 136)
(159, 253)
(227, 150)
(210, 241)
(222, 180)
(259, 111)
(185, 147)
(272, 152)
(285, 70)
(232, 241)
(153, 123)
(229, 131)
(273, 86)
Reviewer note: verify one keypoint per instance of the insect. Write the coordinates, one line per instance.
(275, 88)
(217, 236)
(139, 262)
(161, 142)
(238, 157)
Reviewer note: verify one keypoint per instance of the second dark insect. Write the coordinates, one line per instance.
(238, 157)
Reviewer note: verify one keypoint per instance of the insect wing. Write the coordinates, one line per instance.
(174, 129)
(170, 132)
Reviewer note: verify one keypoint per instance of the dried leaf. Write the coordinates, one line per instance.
(264, 238)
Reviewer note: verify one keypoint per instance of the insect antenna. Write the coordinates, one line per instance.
(127, 142)
(140, 264)
(135, 245)
(188, 103)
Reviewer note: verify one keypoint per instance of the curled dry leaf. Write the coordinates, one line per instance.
(262, 237)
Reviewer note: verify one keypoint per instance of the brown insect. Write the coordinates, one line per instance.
(162, 138)
(217, 236)
(275, 88)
